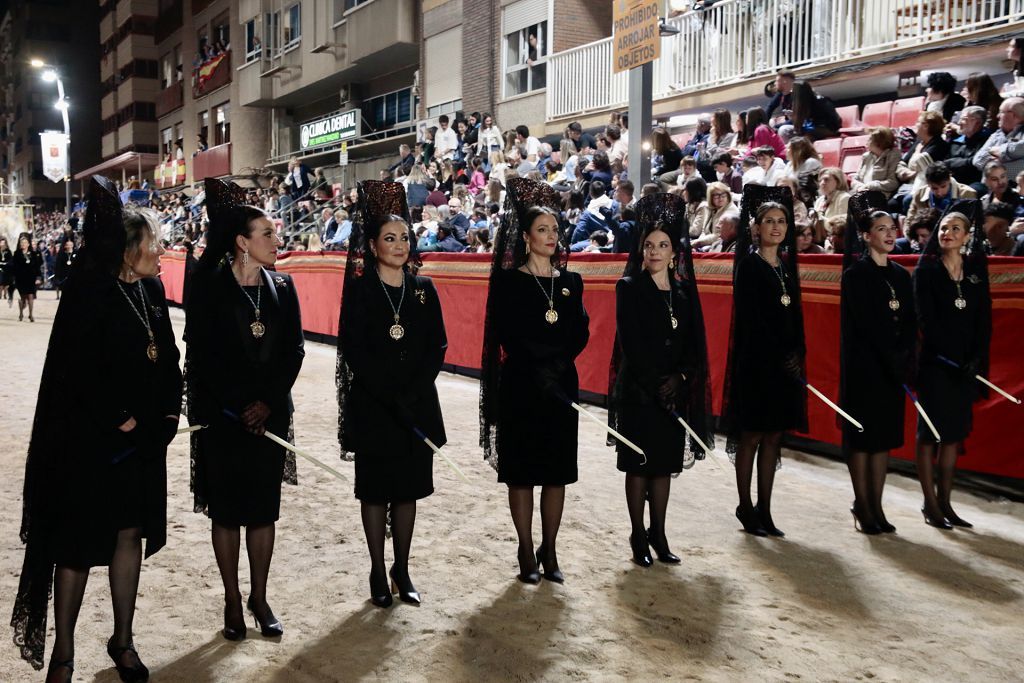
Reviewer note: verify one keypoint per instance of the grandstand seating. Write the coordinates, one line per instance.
(829, 151)
(906, 111)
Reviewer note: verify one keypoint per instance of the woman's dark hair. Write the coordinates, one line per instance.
(662, 142)
(533, 213)
(742, 134)
(721, 123)
(1018, 43)
(803, 103)
(575, 200)
(765, 208)
(872, 217)
(755, 118)
(243, 226)
(373, 227)
(696, 190)
(25, 236)
(655, 227)
(982, 91)
(601, 162)
(941, 82)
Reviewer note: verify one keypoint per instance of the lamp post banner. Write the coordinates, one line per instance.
(55, 155)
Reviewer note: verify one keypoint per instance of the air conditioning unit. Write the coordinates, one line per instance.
(348, 96)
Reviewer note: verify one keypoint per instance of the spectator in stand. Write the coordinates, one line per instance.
(805, 240)
(722, 137)
(489, 141)
(761, 134)
(585, 143)
(963, 147)
(598, 242)
(446, 142)
(298, 178)
(878, 166)
(458, 220)
(477, 180)
(997, 184)
(330, 226)
(446, 240)
(619, 147)
(464, 150)
(939, 192)
(405, 162)
(495, 192)
(623, 196)
(814, 116)
(833, 199)
(435, 197)
(768, 169)
(835, 228)
(594, 218)
(623, 227)
(998, 217)
(201, 145)
(428, 146)
(929, 149)
(741, 147)
(416, 186)
(599, 169)
(917, 231)
(727, 229)
(724, 172)
(1015, 53)
(780, 107)
(530, 143)
(695, 193)
(469, 141)
(803, 158)
(339, 239)
(799, 208)
(720, 203)
(940, 95)
(1007, 143)
(687, 170)
(701, 135)
(980, 91)
(671, 158)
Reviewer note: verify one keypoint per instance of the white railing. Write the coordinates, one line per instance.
(735, 40)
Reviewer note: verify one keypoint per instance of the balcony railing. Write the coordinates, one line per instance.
(735, 40)
(212, 74)
(169, 99)
(212, 163)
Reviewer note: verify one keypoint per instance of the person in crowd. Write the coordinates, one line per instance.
(619, 145)
(623, 228)
(929, 149)
(6, 278)
(835, 234)
(458, 220)
(940, 95)
(917, 232)
(660, 370)
(814, 116)
(464, 148)
(489, 141)
(598, 243)
(535, 327)
(528, 143)
(585, 143)
(722, 137)
(980, 91)
(878, 165)
(662, 145)
(954, 314)
(769, 168)
(599, 169)
(780, 107)
(390, 350)
(687, 172)
(998, 185)
(833, 199)
(963, 147)
(435, 196)
(446, 240)
(1015, 53)
(741, 146)
(477, 178)
(416, 186)
(997, 220)
(1007, 143)
(725, 173)
(201, 145)
(109, 403)
(940, 190)
(878, 337)
(339, 240)
(764, 392)
(803, 159)
(800, 213)
(698, 143)
(26, 272)
(594, 218)
(761, 134)
(805, 243)
(720, 203)
(446, 141)
(695, 194)
(298, 179)
(244, 351)
(405, 162)
(62, 267)
(623, 195)
(727, 230)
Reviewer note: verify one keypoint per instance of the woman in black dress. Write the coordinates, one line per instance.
(764, 390)
(245, 348)
(659, 369)
(954, 313)
(96, 478)
(535, 327)
(391, 345)
(62, 268)
(878, 339)
(6, 259)
(25, 271)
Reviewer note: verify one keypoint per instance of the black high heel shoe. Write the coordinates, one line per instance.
(940, 523)
(68, 664)
(129, 674)
(953, 518)
(233, 632)
(406, 591)
(527, 574)
(272, 627)
(871, 529)
(768, 524)
(549, 574)
(641, 551)
(660, 546)
(750, 521)
(380, 596)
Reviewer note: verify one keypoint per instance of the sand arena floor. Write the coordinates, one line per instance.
(825, 603)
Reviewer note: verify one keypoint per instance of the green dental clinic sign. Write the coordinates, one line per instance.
(329, 130)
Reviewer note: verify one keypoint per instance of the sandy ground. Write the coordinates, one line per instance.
(825, 603)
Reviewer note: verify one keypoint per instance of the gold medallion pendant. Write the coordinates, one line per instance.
(675, 322)
(551, 316)
(258, 329)
(786, 301)
(894, 304)
(152, 352)
(396, 331)
(960, 303)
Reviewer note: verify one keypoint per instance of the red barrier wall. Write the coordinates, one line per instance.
(996, 446)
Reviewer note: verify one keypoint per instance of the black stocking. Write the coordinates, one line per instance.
(124, 583)
(31, 300)
(767, 459)
(860, 475)
(226, 540)
(879, 466)
(374, 527)
(259, 544)
(520, 503)
(926, 473)
(745, 467)
(68, 591)
(403, 521)
(552, 500)
(659, 489)
(636, 497)
(947, 467)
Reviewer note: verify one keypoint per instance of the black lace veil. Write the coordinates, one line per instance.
(667, 212)
(379, 203)
(522, 194)
(858, 215)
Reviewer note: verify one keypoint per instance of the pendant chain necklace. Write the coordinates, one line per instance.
(257, 328)
(671, 313)
(894, 302)
(960, 301)
(785, 299)
(550, 315)
(152, 352)
(396, 331)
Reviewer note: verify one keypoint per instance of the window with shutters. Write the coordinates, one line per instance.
(442, 85)
(525, 46)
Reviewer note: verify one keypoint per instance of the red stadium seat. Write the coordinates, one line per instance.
(852, 150)
(877, 114)
(850, 123)
(682, 139)
(828, 150)
(906, 111)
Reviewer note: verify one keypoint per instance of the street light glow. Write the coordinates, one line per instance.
(37, 63)
(61, 104)
(49, 75)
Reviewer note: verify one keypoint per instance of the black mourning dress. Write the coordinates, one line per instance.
(763, 396)
(5, 262)
(24, 270)
(237, 475)
(62, 267)
(537, 431)
(393, 390)
(651, 350)
(84, 478)
(961, 335)
(878, 344)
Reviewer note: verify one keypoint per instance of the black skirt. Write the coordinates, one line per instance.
(947, 395)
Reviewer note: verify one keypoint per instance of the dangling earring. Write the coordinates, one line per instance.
(963, 250)
(245, 258)
(527, 245)
(673, 263)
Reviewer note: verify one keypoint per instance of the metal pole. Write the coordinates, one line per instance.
(67, 153)
(641, 90)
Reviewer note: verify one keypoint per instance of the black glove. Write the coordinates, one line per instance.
(970, 368)
(792, 367)
(254, 416)
(669, 391)
(549, 377)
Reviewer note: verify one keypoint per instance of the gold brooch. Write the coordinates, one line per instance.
(421, 295)
(565, 291)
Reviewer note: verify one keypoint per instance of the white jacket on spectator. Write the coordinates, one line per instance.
(758, 176)
(445, 143)
(488, 138)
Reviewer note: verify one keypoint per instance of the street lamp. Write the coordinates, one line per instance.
(50, 75)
